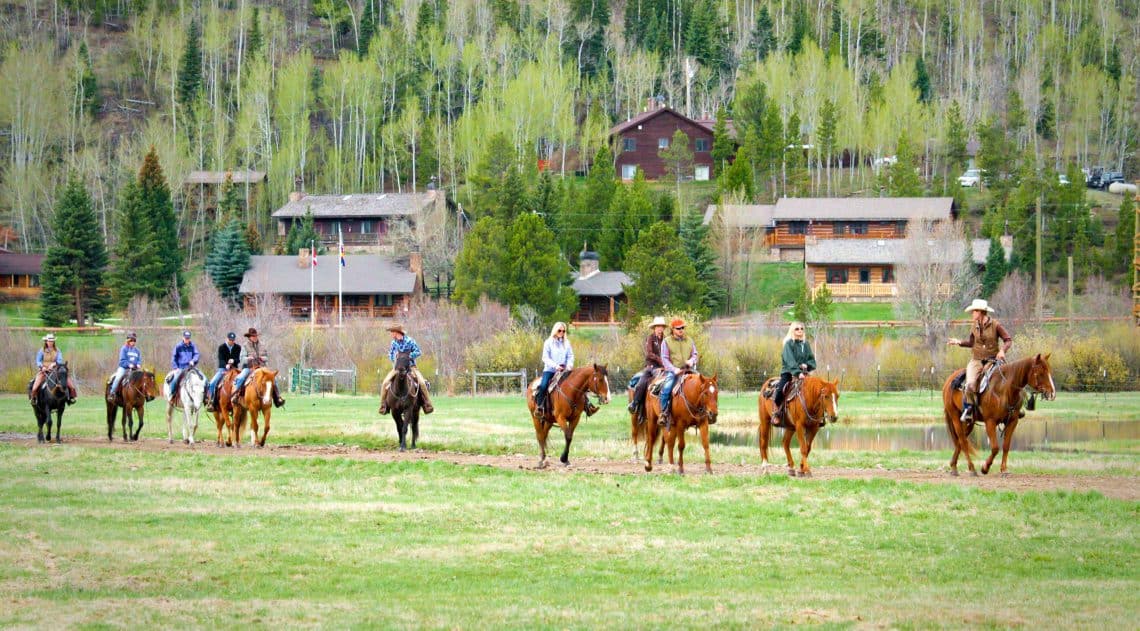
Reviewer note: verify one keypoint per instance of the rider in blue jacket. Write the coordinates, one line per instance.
(404, 343)
(130, 358)
(185, 356)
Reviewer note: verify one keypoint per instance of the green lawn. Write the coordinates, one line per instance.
(772, 284)
(863, 311)
(20, 312)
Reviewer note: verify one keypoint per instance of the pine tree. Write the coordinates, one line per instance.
(1125, 233)
(137, 267)
(763, 39)
(955, 136)
(479, 266)
(663, 276)
(903, 178)
(826, 136)
(511, 196)
(88, 86)
(228, 260)
(795, 164)
(770, 147)
(534, 272)
(723, 147)
(630, 211)
(583, 220)
(190, 67)
(922, 81)
(229, 201)
(367, 29)
(253, 239)
(73, 268)
(996, 268)
(678, 157)
(163, 222)
(738, 177)
(498, 158)
(695, 239)
(801, 28)
(253, 39)
(302, 234)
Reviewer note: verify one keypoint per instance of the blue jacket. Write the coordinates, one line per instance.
(405, 345)
(129, 357)
(556, 353)
(40, 358)
(184, 355)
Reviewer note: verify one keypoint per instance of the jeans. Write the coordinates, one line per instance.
(120, 372)
(240, 379)
(785, 377)
(667, 391)
(540, 396)
(214, 382)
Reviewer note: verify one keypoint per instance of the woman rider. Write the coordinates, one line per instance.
(556, 355)
(46, 359)
(797, 361)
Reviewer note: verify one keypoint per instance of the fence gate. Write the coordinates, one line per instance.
(311, 380)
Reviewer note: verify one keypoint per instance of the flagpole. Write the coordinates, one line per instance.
(339, 281)
(312, 291)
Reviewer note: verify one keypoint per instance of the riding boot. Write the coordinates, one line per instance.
(426, 405)
(278, 400)
(666, 419)
(591, 409)
(632, 407)
(968, 412)
(383, 400)
(539, 401)
(72, 395)
(111, 396)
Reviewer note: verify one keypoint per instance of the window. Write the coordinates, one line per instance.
(701, 174)
(888, 275)
(836, 275)
(628, 144)
(864, 275)
(366, 226)
(900, 228)
(838, 228)
(662, 143)
(797, 227)
(628, 171)
(702, 144)
(857, 227)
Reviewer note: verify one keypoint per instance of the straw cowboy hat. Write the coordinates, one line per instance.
(658, 321)
(50, 337)
(250, 333)
(398, 328)
(979, 305)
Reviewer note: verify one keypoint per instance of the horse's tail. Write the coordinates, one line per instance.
(949, 415)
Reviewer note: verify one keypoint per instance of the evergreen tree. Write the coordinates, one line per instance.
(137, 267)
(695, 239)
(630, 211)
(903, 178)
(770, 145)
(723, 147)
(190, 67)
(678, 157)
(534, 272)
(997, 158)
(763, 39)
(87, 87)
(546, 200)
(228, 260)
(795, 163)
(922, 81)
(826, 136)
(955, 136)
(73, 267)
(253, 240)
(302, 234)
(738, 177)
(582, 220)
(1112, 64)
(163, 222)
(750, 107)
(367, 29)
(498, 159)
(229, 201)
(479, 266)
(253, 42)
(663, 276)
(511, 196)
(996, 268)
(1125, 233)
(801, 28)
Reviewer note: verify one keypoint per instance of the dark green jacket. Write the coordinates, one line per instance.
(796, 353)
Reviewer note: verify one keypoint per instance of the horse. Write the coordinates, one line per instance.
(257, 397)
(637, 425)
(1000, 404)
(135, 390)
(564, 406)
(403, 400)
(224, 410)
(815, 400)
(189, 398)
(52, 396)
(694, 404)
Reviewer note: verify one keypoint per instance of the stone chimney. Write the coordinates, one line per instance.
(303, 258)
(587, 263)
(296, 196)
(650, 104)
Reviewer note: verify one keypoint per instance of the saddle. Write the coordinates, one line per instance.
(959, 382)
(658, 381)
(768, 390)
(558, 377)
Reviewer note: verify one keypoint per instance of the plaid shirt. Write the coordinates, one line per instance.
(404, 345)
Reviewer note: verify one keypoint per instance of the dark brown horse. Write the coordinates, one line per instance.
(135, 390)
(224, 410)
(564, 406)
(51, 397)
(694, 404)
(1000, 404)
(257, 399)
(403, 400)
(815, 402)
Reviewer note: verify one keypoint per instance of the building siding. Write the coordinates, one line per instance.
(645, 139)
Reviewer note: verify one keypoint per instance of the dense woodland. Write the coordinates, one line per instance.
(365, 95)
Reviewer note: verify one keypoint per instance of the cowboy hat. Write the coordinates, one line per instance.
(658, 321)
(50, 337)
(250, 333)
(677, 323)
(398, 328)
(979, 305)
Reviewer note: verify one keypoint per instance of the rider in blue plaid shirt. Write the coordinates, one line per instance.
(403, 343)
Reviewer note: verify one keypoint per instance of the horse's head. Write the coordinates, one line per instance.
(147, 384)
(600, 383)
(403, 362)
(829, 397)
(708, 396)
(1040, 377)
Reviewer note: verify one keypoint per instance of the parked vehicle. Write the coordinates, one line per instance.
(971, 178)
(885, 161)
(1062, 179)
(1100, 178)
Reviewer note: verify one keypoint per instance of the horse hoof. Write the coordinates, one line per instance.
(954, 473)
(1005, 474)
(974, 473)
(648, 465)
(541, 464)
(169, 441)
(186, 442)
(805, 474)
(402, 450)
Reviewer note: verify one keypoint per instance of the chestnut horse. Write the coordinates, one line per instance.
(135, 390)
(224, 410)
(637, 431)
(694, 404)
(815, 402)
(1000, 404)
(564, 406)
(257, 398)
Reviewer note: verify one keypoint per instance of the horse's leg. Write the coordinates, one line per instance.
(950, 429)
(112, 412)
(253, 426)
(788, 452)
(401, 427)
(678, 435)
(805, 451)
(568, 432)
(1005, 443)
(266, 414)
(764, 431)
(541, 431)
(705, 443)
(169, 429)
(59, 426)
(39, 423)
(991, 433)
(415, 426)
(142, 411)
(239, 418)
(128, 419)
(801, 436)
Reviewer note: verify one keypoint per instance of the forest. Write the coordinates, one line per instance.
(352, 96)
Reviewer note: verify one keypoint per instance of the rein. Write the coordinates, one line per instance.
(701, 409)
(814, 418)
(411, 392)
(578, 390)
(133, 385)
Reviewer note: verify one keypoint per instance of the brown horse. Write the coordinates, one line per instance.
(224, 410)
(815, 402)
(637, 431)
(565, 406)
(257, 397)
(1000, 404)
(135, 390)
(694, 404)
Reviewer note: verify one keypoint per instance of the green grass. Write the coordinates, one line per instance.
(773, 284)
(20, 312)
(863, 311)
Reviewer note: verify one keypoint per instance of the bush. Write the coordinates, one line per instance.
(1095, 368)
(757, 358)
(510, 350)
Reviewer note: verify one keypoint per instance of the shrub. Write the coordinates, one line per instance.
(1095, 368)
(510, 350)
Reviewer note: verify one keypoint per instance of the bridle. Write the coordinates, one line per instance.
(134, 384)
(820, 402)
(701, 409)
(588, 387)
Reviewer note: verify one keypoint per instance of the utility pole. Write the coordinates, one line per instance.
(1040, 295)
(1070, 293)
(1136, 263)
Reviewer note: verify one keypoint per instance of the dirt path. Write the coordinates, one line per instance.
(1125, 488)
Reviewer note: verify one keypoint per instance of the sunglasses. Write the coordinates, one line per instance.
(560, 331)
(678, 328)
(798, 328)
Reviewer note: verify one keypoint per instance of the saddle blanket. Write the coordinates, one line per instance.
(554, 381)
(768, 390)
(658, 382)
(959, 382)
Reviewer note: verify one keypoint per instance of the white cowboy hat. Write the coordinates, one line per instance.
(50, 337)
(979, 305)
(658, 321)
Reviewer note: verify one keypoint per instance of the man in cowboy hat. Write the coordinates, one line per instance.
(678, 354)
(130, 358)
(185, 356)
(403, 343)
(985, 333)
(640, 381)
(252, 358)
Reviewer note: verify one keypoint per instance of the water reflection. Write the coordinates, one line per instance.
(1034, 436)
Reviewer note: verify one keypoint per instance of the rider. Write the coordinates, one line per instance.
(404, 343)
(185, 356)
(252, 358)
(557, 354)
(130, 358)
(673, 348)
(983, 341)
(652, 363)
(229, 354)
(46, 359)
(797, 360)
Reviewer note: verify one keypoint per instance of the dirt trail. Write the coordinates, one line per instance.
(1119, 487)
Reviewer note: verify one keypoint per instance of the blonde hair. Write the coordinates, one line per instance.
(557, 325)
(791, 331)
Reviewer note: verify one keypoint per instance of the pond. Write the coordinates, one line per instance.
(1032, 436)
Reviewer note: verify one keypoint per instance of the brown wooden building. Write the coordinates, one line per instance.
(373, 286)
(20, 274)
(600, 294)
(365, 219)
(637, 141)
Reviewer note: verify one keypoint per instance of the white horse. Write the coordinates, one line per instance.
(191, 396)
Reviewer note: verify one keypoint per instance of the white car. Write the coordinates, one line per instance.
(971, 178)
(1062, 179)
(885, 161)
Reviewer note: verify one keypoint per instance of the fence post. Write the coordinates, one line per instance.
(932, 382)
(522, 380)
(474, 383)
(878, 370)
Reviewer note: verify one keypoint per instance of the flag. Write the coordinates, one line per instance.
(314, 250)
(342, 264)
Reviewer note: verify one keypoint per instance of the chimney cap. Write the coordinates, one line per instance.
(586, 255)
(296, 196)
